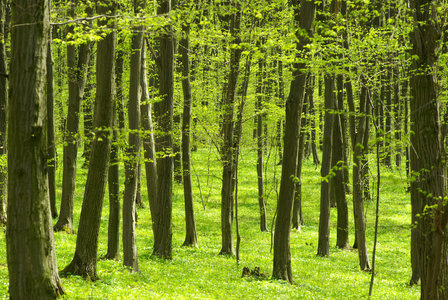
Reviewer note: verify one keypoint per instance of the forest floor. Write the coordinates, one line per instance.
(202, 274)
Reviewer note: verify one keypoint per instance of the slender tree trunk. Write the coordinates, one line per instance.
(358, 201)
(260, 139)
(323, 248)
(3, 111)
(113, 229)
(282, 253)
(227, 195)
(77, 73)
(148, 141)
(164, 112)
(30, 245)
(85, 257)
(130, 256)
(87, 109)
(316, 159)
(191, 238)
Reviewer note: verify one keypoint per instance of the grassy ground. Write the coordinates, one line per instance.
(202, 274)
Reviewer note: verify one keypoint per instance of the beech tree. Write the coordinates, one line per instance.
(282, 254)
(3, 111)
(29, 235)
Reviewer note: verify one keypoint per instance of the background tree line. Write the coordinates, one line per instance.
(149, 82)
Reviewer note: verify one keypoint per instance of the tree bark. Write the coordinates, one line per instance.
(428, 155)
(164, 113)
(282, 252)
(191, 238)
(323, 248)
(130, 256)
(3, 112)
(227, 191)
(30, 245)
(85, 257)
(77, 73)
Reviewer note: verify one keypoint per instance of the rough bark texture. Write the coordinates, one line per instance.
(191, 238)
(428, 156)
(3, 110)
(282, 253)
(323, 248)
(85, 257)
(30, 245)
(130, 257)
(227, 195)
(77, 74)
(164, 113)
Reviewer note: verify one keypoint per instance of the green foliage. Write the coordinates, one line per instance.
(202, 274)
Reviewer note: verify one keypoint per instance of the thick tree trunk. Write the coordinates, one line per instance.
(428, 165)
(227, 195)
(3, 110)
(130, 256)
(85, 257)
(282, 252)
(77, 73)
(30, 245)
(323, 248)
(164, 113)
(191, 238)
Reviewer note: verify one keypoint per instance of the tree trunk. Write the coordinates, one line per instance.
(3, 112)
(358, 201)
(85, 257)
(191, 238)
(30, 245)
(282, 252)
(260, 139)
(323, 248)
(87, 109)
(227, 196)
(130, 256)
(428, 161)
(77, 73)
(148, 142)
(164, 113)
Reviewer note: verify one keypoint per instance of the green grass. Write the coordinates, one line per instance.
(203, 274)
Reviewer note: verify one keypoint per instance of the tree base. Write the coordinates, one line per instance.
(80, 268)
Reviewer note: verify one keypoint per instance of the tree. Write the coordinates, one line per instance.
(3, 109)
(164, 113)
(77, 73)
(428, 154)
(228, 175)
(29, 235)
(191, 238)
(282, 255)
(85, 257)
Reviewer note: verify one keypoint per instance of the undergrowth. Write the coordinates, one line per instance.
(200, 273)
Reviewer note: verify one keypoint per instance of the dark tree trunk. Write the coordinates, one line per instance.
(260, 140)
(30, 245)
(51, 130)
(87, 109)
(227, 195)
(177, 140)
(164, 113)
(323, 248)
(113, 229)
(316, 159)
(77, 73)
(281, 97)
(191, 238)
(85, 257)
(130, 256)
(3, 110)
(282, 252)
(358, 200)
(428, 162)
